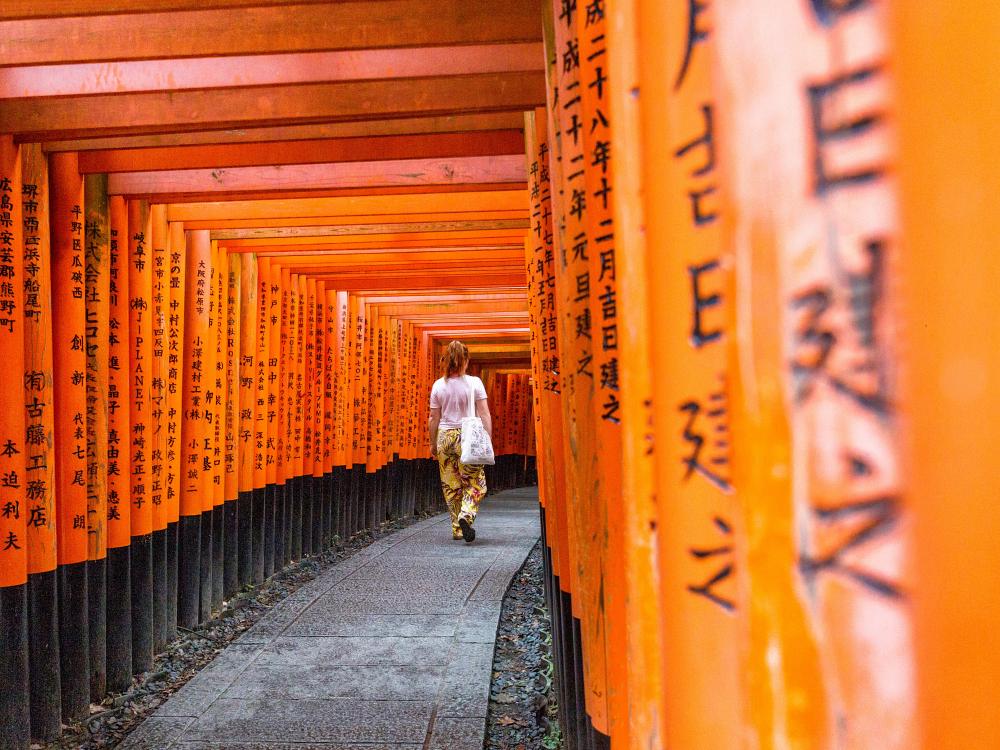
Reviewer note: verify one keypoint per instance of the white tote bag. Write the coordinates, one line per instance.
(477, 448)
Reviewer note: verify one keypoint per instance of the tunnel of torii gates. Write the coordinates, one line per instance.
(732, 259)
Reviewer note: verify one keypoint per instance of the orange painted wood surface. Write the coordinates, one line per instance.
(158, 112)
(119, 380)
(261, 386)
(248, 368)
(440, 146)
(97, 233)
(69, 356)
(949, 151)
(256, 30)
(690, 293)
(159, 306)
(141, 441)
(640, 514)
(232, 380)
(39, 406)
(814, 237)
(410, 125)
(273, 372)
(196, 335)
(14, 518)
(175, 321)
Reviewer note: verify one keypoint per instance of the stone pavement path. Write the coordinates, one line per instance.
(391, 649)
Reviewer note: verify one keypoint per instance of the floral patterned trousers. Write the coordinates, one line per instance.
(463, 485)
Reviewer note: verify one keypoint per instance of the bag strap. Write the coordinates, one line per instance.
(472, 396)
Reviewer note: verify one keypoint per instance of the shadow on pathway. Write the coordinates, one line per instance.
(391, 649)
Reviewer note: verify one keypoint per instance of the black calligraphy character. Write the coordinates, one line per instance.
(700, 336)
(872, 518)
(11, 542)
(595, 12)
(720, 458)
(707, 589)
(840, 130)
(706, 140)
(695, 35)
(815, 338)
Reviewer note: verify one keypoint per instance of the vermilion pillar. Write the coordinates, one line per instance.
(948, 163)
(15, 722)
(119, 601)
(140, 442)
(97, 230)
(40, 464)
(69, 390)
(198, 262)
(246, 451)
(159, 303)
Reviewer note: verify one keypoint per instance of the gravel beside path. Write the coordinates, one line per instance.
(523, 713)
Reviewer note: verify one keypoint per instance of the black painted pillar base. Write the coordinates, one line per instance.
(159, 547)
(245, 542)
(170, 632)
(15, 716)
(270, 505)
(231, 557)
(205, 575)
(74, 641)
(259, 498)
(97, 628)
(295, 516)
(142, 603)
(330, 509)
(308, 513)
(43, 656)
(189, 571)
(218, 556)
(600, 740)
(280, 530)
(119, 619)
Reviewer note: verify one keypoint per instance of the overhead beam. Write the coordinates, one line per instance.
(65, 8)
(361, 205)
(448, 123)
(182, 111)
(367, 229)
(268, 30)
(89, 79)
(451, 237)
(417, 282)
(367, 174)
(360, 149)
(331, 221)
(243, 195)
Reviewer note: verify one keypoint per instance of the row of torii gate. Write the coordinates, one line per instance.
(731, 260)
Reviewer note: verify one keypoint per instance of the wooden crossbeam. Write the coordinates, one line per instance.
(362, 205)
(444, 123)
(402, 220)
(87, 79)
(434, 228)
(367, 174)
(267, 30)
(182, 111)
(360, 149)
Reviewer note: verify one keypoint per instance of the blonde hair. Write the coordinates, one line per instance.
(454, 358)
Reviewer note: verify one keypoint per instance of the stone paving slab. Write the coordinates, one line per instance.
(389, 650)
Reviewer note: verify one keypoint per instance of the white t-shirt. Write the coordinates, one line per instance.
(451, 396)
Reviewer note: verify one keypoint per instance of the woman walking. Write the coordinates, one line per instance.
(464, 485)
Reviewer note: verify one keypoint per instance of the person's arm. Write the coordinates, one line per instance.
(483, 412)
(432, 429)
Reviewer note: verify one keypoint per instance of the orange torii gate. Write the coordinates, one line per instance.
(706, 236)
